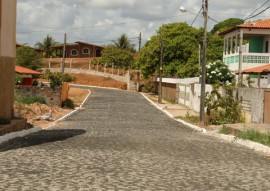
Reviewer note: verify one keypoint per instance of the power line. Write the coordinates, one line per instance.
(256, 10)
(258, 13)
(196, 16)
(94, 26)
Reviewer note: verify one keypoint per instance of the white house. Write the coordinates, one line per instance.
(247, 45)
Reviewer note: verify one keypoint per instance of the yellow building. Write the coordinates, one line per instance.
(7, 57)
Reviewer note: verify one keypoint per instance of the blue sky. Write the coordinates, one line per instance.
(100, 21)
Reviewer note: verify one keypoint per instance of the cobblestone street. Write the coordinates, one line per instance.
(119, 141)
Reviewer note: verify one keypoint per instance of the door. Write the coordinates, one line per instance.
(267, 107)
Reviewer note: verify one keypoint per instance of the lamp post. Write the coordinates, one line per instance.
(203, 64)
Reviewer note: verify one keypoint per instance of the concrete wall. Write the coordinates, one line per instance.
(253, 104)
(51, 97)
(7, 57)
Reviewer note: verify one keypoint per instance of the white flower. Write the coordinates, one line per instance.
(213, 72)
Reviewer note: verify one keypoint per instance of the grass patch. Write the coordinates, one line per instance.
(29, 99)
(190, 119)
(255, 136)
(224, 131)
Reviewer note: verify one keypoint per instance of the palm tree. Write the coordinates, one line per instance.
(46, 46)
(123, 42)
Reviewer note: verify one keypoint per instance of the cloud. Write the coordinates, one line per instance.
(100, 21)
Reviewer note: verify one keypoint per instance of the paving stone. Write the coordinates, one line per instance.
(121, 142)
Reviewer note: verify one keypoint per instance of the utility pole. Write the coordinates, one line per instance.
(160, 71)
(203, 73)
(140, 41)
(199, 60)
(64, 54)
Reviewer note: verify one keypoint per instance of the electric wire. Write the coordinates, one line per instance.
(258, 13)
(256, 10)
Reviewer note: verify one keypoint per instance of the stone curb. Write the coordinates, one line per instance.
(23, 133)
(229, 138)
(250, 144)
(171, 116)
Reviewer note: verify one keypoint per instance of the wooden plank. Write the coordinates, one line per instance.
(267, 107)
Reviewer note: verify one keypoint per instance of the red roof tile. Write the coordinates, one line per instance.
(22, 70)
(265, 24)
(257, 70)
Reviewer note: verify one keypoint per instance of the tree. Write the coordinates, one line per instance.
(27, 57)
(120, 58)
(181, 55)
(228, 23)
(46, 46)
(123, 42)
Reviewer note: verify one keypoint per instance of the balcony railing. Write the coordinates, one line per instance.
(254, 58)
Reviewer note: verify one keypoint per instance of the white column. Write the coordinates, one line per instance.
(236, 44)
(231, 49)
(240, 76)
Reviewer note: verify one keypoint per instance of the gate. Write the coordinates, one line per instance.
(267, 107)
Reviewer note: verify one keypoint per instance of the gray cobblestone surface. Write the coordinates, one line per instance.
(120, 142)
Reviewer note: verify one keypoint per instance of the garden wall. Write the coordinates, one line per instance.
(52, 97)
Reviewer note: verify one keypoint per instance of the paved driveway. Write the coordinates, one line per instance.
(120, 142)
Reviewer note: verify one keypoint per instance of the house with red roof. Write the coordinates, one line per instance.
(78, 49)
(27, 75)
(247, 45)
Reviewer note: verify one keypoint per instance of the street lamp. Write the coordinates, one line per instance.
(203, 67)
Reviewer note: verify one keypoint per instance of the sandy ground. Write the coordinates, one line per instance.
(32, 111)
(86, 79)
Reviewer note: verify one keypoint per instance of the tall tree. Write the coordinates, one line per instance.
(46, 45)
(27, 57)
(221, 26)
(120, 58)
(181, 56)
(124, 42)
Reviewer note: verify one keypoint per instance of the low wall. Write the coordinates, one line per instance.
(132, 86)
(52, 97)
(252, 104)
(92, 72)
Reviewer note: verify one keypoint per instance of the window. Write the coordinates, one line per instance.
(86, 51)
(74, 52)
(266, 46)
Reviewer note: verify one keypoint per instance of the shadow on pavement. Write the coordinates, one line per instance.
(41, 137)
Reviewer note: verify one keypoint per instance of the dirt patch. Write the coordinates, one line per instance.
(32, 111)
(92, 80)
(77, 95)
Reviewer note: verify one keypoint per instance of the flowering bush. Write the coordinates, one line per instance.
(218, 72)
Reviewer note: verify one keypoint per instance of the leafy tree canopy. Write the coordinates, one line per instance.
(28, 58)
(181, 53)
(228, 23)
(120, 58)
(46, 45)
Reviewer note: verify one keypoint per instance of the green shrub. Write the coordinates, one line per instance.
(29, 99)
(68, 103)
(56, 79)
(223, 109)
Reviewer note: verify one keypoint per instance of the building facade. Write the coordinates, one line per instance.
(247, 45)
(7, 57)
(79, 50)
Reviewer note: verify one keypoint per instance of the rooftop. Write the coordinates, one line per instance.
(22, 70)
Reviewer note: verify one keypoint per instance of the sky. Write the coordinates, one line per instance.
(101, 21)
